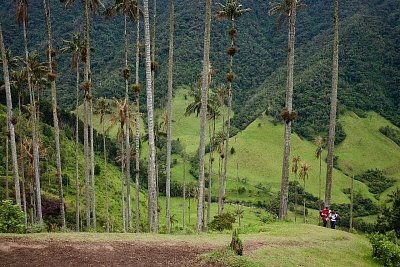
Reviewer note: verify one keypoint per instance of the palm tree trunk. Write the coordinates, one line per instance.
(351, 203)
(332, 116)
(169, 126)
(150, 109)
(9, 120)
(184, 192)
(304, 202)
(34, 133)
(203, 112)
(127, 136)
(54, 108)
(7, 161)
(106, 177)
(212, 132)
(319, 187)
(77, 209)
(24, 193)
(137, 125)
(85, 128)
(22, 164)
(122, 185)
(92, 165)
(288, 124)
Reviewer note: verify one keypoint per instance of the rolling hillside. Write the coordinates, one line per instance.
(369, 60)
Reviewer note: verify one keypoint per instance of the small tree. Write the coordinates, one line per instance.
(236, 244)
(11, 218)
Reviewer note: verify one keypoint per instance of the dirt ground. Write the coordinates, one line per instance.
(29, 252)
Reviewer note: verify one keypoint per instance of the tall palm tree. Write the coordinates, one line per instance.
(212, 118)
(150, 122)
(332, 116)
(287, 9)
(136, 90)
(22, 19)
(90, 6)
(10, 119)
(128, 9)
(303, 175)
(75, 47)
(169, 126)
(119, 117)
(319, 142)
(232, 10)
(295, 168)
(203, 113)
(51, 77)
(103, 108)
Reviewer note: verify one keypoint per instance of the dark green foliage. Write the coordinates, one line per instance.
(385, 248)
(176, 147)
(391, 133)
(241, 190)
(232, 150)
(236, 243)
(376, 181)
(11, 218)
(222, 222)
(389, 219)
(97, 169)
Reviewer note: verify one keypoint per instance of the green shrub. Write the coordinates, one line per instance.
(11, 218)
(236, 244)
(385, 250)
(36, 228)
(222, 222)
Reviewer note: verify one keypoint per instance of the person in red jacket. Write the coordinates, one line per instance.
(325, 215)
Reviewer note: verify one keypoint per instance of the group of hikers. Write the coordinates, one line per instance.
(329, 216)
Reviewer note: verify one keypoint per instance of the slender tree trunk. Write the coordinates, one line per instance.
(106, 176)
(137, 128)
(23, 193)
(351, 203)
(122, 186)
(184, 192)
(212, 132)
(10, 128)
(288, 124)
(7, 161)
(85, 128)
(332, 116)
(92, 165)
(203, 113)
(319, 187)
(295, 198)
(35, 144)
(77, 208)
(304, 202)
(169, 126)
(54, 109)
(150, 108)
(127, 136)
(22, 162)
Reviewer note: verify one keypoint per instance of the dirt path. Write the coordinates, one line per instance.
(28, 252)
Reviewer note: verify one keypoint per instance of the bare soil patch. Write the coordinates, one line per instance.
(29, 252)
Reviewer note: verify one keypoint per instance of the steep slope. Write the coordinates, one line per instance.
(369, 60)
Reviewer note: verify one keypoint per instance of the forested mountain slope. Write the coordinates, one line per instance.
(369, 56)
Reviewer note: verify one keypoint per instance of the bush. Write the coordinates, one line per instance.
(376, 181)
(385, 249)
(36, 228)
(236, 244)
(222, 222)
(11, 218)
